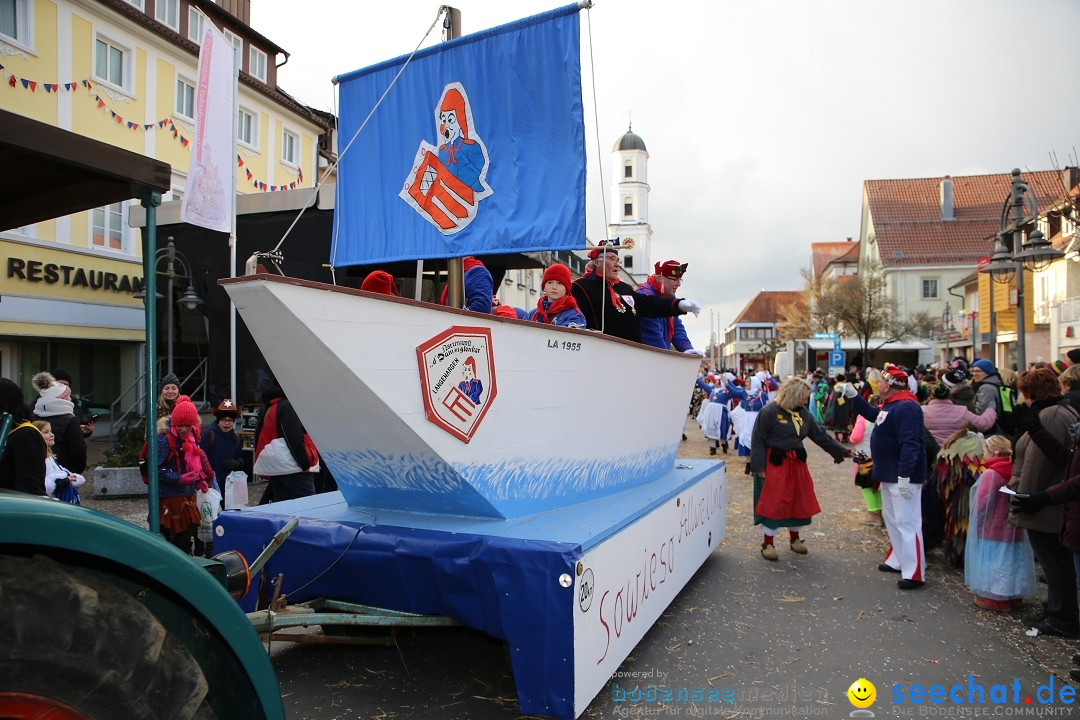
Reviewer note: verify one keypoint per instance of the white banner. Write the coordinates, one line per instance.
(210, 197)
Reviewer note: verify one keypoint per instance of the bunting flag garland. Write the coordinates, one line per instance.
(166, 124)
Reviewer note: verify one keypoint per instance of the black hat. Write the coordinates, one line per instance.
(169, 379)
(62, 375)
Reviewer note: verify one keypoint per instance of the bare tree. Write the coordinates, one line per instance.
(856, 306)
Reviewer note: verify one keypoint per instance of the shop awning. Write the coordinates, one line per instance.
(849, 344)
(46, 172)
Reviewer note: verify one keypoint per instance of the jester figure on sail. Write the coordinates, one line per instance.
(447, 183)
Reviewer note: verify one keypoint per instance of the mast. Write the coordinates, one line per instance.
(455, 267)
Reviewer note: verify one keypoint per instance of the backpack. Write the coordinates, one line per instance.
(143, 471)
(1006, 401)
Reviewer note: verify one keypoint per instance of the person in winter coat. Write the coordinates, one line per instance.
(478, 287)
(943, 417)
(987, 384)
(222, 445)
(614, 307)
(284, 454)
(1033, 472)
(999, 567)
(665, 333)
(60, 483)
(22, 465)
(783, 489)
(55, 407)
(1070, 386)
(898, 450)
(183, 469)
(557, 306)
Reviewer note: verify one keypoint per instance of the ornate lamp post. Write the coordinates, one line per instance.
(176, 266)
(1013, 252)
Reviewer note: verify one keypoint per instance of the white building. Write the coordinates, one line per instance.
(630, 204)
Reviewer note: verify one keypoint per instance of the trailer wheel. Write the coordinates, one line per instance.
(70, 637)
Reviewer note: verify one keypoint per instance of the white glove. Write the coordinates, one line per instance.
(850, 391)
(903, 484)
(695, 353)
(689, 306)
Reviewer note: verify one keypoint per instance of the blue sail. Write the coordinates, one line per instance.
(478, 148)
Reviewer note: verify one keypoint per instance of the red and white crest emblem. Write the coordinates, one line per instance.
(457, 379)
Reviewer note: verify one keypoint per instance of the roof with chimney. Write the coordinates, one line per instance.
(907, 215)
(765, 306)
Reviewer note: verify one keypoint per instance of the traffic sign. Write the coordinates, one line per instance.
(837, 359)
(824, 336)
(836, 344)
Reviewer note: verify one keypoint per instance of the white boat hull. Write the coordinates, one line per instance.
(576, 416)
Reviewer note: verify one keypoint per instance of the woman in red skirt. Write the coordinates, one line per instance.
(783, 489)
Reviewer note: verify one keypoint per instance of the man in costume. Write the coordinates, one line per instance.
(665, 333)
(900, 467)
(613, 306)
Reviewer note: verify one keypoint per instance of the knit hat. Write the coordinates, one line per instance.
(605, 246)
(379, 281)
(1074, 356)
(47, 387)
(184, 413)
(227, 408)
(952, 378)
(62, 376)
(559, 272)
(671, 268)
(505, 311)
(169, 379)
(939, 392)
(1057, 367)
(985, 365)
(895, 377)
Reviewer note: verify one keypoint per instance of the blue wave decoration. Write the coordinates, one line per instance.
(360, 471)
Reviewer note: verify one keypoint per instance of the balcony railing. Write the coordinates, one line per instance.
(1069, 310)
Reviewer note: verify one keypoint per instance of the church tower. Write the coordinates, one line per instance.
(630, 204)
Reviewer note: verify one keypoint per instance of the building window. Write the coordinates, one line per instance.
(195, 25)
(628, 262)
(530, 281)
(185, 98)
(15, 20)
(290, 148)
(108, 227)
(929, 289)
(247, 128)
(628, 170)
(137, 3)
(628, 208)
(236, 41)
(111, 63)
(167, 12)
(257, 63)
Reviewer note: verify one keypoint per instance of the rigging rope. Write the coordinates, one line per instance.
(333, 166)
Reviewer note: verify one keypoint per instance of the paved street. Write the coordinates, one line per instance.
(785, 638)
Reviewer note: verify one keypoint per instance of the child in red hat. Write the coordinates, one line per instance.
(557, 306)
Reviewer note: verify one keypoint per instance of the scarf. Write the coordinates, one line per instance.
(470, 263)
(546, 315)
(190, 453)
(615, 299)
(659, 288)
(53, 407)
(902, 395)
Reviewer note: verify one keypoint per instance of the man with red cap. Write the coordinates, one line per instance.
(665, 333)
(614, 307)
(557, 306)
(900, 466)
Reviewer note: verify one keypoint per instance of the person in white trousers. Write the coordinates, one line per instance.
(900, 466)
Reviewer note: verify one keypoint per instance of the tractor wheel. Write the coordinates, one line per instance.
(69, 638)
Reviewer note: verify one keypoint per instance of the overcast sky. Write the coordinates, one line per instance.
(762, 119)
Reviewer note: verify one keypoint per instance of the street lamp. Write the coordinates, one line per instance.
(1031, 253)
(189, 300)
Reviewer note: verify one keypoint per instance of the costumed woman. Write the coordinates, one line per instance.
(715, 417)
(783, 489)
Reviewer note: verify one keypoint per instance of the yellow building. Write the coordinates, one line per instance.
(123, 72)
